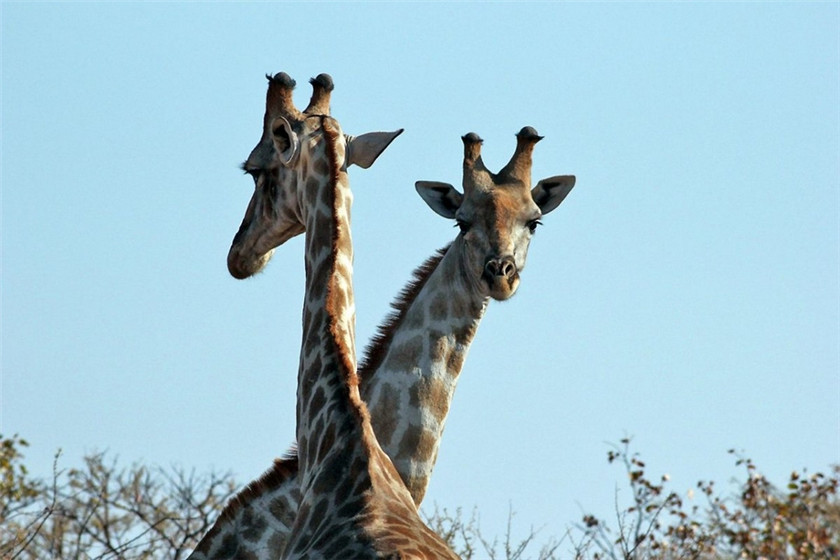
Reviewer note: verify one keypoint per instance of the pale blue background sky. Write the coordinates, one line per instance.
(686, 293)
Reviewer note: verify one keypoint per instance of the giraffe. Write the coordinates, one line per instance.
(411, 367)
(353, 503)
(418, 354)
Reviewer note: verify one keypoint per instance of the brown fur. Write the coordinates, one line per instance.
(377, 347)
(281, 470)
(339, 237)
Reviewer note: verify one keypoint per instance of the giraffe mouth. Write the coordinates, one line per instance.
(242, 265)
(254, 244)
(501, 288)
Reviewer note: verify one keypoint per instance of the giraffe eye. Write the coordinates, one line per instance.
(463, 226)
(254, 173)
(532, 225)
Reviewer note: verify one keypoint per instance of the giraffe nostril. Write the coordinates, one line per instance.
(504, 267)
(507, 268)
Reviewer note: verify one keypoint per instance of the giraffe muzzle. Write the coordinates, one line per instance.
(501, 276)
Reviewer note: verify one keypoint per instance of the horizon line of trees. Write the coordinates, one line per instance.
(102, 510)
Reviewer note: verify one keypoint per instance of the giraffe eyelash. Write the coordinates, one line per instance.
(463, 225)
(532, 225)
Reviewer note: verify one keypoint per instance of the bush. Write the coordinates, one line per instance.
(759, 521)
(102, 510)
(105, 511)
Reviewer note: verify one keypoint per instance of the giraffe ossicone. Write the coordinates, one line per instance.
(274, 214)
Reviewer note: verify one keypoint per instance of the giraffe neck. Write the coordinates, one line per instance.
(327, 370)
(411, 368)
(353, 502)
(333, 454)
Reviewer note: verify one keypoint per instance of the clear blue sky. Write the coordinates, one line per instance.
(685, 293)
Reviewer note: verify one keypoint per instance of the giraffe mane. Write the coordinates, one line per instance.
(281, 470)
(348, 369)
(376, 349)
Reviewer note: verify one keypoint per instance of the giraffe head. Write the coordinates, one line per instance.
(497, 213)
(288, 164)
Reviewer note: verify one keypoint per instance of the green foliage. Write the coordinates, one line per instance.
(15, 487)
(17, 492)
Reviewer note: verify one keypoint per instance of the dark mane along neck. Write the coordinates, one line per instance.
(341, 241)
(282, 473)
(328, 403)
(377, 348)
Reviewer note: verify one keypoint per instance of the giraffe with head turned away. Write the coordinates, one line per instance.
(353, 503)
(410, 369)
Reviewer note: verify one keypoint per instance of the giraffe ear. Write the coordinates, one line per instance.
(443, 198)
(363, 150)
(549, 193)
(285, 140)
